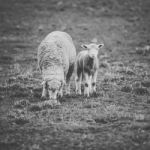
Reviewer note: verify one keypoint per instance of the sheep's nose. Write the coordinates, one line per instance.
(93, 56)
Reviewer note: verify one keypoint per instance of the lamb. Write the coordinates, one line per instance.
(87, 64)
(56, 59)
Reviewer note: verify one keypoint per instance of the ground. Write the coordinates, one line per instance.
(118, 117)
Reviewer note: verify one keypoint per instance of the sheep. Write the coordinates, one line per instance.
(56, 59)
(87, 65)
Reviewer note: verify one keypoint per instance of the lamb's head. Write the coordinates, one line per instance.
(92, 48)
(54, 88)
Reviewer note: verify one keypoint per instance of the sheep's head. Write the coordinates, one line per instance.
(54, 88)
(92, 49)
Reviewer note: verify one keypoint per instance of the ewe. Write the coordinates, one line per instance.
(56, 59)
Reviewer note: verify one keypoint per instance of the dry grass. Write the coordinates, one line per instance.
(116, 114)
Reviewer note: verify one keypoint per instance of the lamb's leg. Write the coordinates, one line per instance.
(90, 84)
(78, 83)
(94, 78)
(68, 76)
(87, 85)
(78, 80)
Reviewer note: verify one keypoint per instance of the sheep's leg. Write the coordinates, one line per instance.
(60, 94)
(78, 83)
(90, 84)
(94, 78)
(44, 91)
(68, 88)
(68, 76)
(78, 80)
(87, 85)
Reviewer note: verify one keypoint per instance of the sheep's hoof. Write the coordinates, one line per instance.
(58, 103)
(67, 93)
(43, 97)
(78, 92)
(87, 95)
(55, 102)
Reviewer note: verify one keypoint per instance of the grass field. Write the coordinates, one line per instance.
(117, 117)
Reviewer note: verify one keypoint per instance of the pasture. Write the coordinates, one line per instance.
(117, 117)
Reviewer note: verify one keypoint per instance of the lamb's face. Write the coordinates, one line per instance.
(54, 88)
(92, 49)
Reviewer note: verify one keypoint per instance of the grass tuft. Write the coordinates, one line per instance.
(126, 89)
(21, 120)
(145, 84)
(140, 91)
(35, 107)
(21, 104)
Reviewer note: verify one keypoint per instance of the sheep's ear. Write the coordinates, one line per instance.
(43, 82)
(84, 46)
(100, 45)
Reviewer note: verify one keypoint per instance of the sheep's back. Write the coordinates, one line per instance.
(49, 54)
(57, 49)
(64, 40)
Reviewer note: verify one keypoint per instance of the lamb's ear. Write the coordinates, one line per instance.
(43, 82)
(84, 46)
(100, 45)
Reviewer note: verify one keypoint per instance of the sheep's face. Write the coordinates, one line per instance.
(54, 88)
(92, 49)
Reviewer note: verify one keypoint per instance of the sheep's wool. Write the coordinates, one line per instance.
(56, 54)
